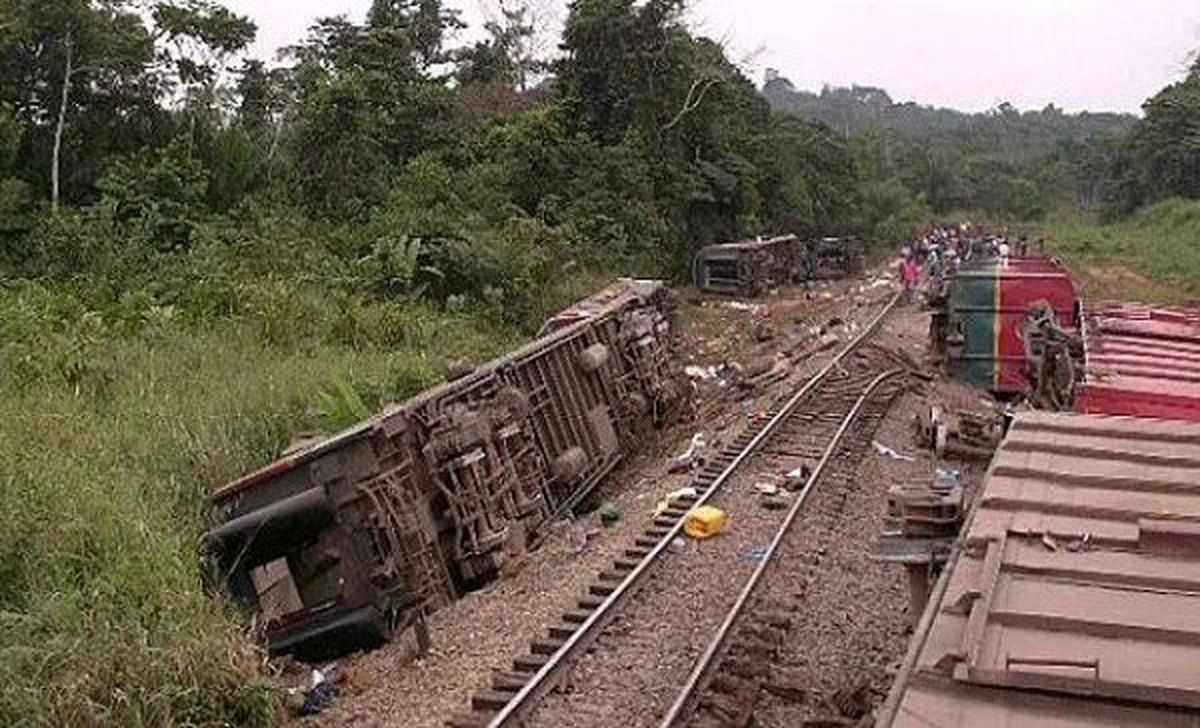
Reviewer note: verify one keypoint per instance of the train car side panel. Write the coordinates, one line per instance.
(351, 537)
(1075, 593)
(986, 306)
(1141, 361)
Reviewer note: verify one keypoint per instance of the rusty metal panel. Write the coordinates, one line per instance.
(987, 303)
(1141, 361)
(748, 267)
(346, 538)
(1075, 597)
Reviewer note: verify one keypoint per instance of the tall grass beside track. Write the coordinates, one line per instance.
(109, 445)
(1153, 256)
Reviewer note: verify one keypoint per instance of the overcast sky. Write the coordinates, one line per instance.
(967, 54)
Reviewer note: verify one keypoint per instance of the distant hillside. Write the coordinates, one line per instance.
(1003, 162)
(859, 109)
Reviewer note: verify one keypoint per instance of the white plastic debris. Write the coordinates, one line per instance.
(799, 477)
(743, 306)
(886, 451)
(693, 451)
(701, 373)
(766, 488)
(688, 492)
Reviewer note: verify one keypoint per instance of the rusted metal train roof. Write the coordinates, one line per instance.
(1074, 599)
(1141, 361)
(748, 244)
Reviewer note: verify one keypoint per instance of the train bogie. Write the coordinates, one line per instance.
(341, 542)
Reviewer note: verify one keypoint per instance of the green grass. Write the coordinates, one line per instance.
(110, 444)
(1152, 256)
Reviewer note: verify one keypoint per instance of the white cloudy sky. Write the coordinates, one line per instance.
(968, 54)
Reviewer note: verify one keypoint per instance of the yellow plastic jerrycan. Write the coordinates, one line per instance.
(704, 522)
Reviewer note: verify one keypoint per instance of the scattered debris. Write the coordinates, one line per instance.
(705, 522)
(960, 433)
(585, 540)
(764, 332)
(1080, 544)
(742, 306)
(321, 693)
(669, 498)
(798, 478)
(775, 502)
(691, 456)
(881, 449)
(946, 480)
(766, 488)
(609, 514)
(755, 553)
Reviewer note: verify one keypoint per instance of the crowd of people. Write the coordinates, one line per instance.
(943, 249)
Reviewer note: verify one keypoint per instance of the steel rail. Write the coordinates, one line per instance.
(698, 679)
(541, 681)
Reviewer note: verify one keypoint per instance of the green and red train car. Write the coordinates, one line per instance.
(1128, 359)
(985, 305)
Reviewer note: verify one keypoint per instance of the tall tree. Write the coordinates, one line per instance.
(64, 62)
(370, 99)
(506, 57)
(198, 40)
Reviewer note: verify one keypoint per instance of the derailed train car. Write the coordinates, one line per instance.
(978, 321)
(837, 258)
(342, 543)
(750, 267)
(1073, 597)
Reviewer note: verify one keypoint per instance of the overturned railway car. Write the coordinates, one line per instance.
(1140, 360)
(977, 327)
(347, 540)
(1073, 598)
(837, 258)
(750, 267)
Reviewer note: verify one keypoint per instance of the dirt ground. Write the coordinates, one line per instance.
(728, 346)
(726, 343)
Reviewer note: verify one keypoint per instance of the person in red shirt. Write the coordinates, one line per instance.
(910, 274)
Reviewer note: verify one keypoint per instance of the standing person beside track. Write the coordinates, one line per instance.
(810, 270)
(910, 274)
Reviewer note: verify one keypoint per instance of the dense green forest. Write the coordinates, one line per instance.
(203, 256)
(1005, 163)
(1013, 165)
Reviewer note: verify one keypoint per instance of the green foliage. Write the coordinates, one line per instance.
(111, 443)
(112, 102)
(504, 58)
(340, 406)
(245, 256)
(159, 191)
(891, 212)
(1151, 255)
(1161, 158)
(1008, 164)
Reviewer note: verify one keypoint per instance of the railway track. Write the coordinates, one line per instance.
(646, 625)
(724, 686)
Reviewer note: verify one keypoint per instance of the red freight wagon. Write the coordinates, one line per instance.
(1141, 361)
(1073, 599)
(987, 303)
